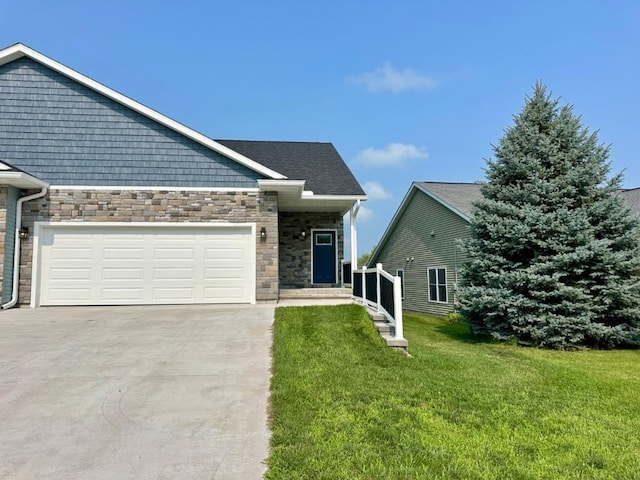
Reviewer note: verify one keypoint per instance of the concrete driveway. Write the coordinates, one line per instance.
(175, 392)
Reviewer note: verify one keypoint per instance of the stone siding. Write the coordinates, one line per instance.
(161, 206)
(295, 249)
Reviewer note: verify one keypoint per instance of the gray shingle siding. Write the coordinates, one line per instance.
(67, 134)
(9, 244)
(411, 238)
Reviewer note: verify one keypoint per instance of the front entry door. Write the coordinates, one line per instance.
(324, 256)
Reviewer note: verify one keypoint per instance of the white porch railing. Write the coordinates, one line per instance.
(381, 291)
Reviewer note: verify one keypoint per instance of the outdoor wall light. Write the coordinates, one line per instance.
(263, 232)
(303, 234)
(24, 233)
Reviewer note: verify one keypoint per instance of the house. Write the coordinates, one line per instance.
(422, 242)
(105, 201)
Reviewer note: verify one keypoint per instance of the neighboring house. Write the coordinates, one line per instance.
(118, 204)
(422, 242)
(632, 198)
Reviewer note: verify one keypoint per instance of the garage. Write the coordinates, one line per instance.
(127, 264)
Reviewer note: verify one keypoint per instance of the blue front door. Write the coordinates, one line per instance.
(324, 256)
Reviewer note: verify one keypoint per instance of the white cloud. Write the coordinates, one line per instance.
(392, 154)
(364, 214)
(387, 78)
(375, 191)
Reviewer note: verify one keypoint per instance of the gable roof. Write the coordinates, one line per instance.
(457, 197)
(19, 50)
(319, 164)
(460, 197)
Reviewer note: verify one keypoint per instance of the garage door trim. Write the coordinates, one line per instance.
(39, 227)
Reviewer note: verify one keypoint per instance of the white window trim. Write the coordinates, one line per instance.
(38, 226)
(335, 248)
(437, 285)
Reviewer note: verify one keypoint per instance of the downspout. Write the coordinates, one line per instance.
(16, 253)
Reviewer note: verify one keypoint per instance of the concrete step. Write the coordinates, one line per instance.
(298, 293)
(387, 332)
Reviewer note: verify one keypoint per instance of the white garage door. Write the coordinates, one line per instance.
(119, 265)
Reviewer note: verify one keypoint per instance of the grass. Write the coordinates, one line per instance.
(346, 407)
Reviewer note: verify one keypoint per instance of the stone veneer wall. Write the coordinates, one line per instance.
(161, 206)
(295, 250)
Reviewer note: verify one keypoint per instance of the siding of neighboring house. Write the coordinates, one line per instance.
(411, 239)
(67, 134)
(9, 200)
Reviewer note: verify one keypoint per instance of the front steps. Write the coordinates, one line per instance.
(387, 331)
(300, 297)
(314, 293)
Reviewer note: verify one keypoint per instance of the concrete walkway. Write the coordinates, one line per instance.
(135, 392)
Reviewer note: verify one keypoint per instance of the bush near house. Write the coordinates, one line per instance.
(555, 253)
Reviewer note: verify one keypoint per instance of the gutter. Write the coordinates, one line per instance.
(16, 253)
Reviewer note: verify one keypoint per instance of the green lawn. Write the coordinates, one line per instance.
(346, 407)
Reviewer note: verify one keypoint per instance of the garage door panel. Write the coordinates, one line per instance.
(114, 265)
(118, 274)
(125, 295)
(173, 294)
(73, 254)
(173, 273)
(123, 253)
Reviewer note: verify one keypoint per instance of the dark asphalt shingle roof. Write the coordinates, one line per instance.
(460, 196)
(319, 164)
(632, 197)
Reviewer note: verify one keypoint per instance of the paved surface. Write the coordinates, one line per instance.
(134, 392)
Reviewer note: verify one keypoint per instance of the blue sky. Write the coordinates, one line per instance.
(405, 90)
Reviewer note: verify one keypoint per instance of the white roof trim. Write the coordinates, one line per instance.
(20, 179)
(154, 188)
(19, 50)
(403, 205)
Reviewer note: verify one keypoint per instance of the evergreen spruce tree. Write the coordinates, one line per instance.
(554, 258)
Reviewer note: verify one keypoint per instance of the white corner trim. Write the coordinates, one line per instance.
(146, 188)
(19, 50)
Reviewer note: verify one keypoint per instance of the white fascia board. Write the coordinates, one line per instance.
(282, 186)
(354, 198)
(19, 50)
(153, 188)
(21, 180)
(443, 203)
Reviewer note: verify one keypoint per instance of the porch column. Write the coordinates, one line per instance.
(354, 235)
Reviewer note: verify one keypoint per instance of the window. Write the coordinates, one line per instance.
(400, 273)
(324, 239)
(438, 285)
